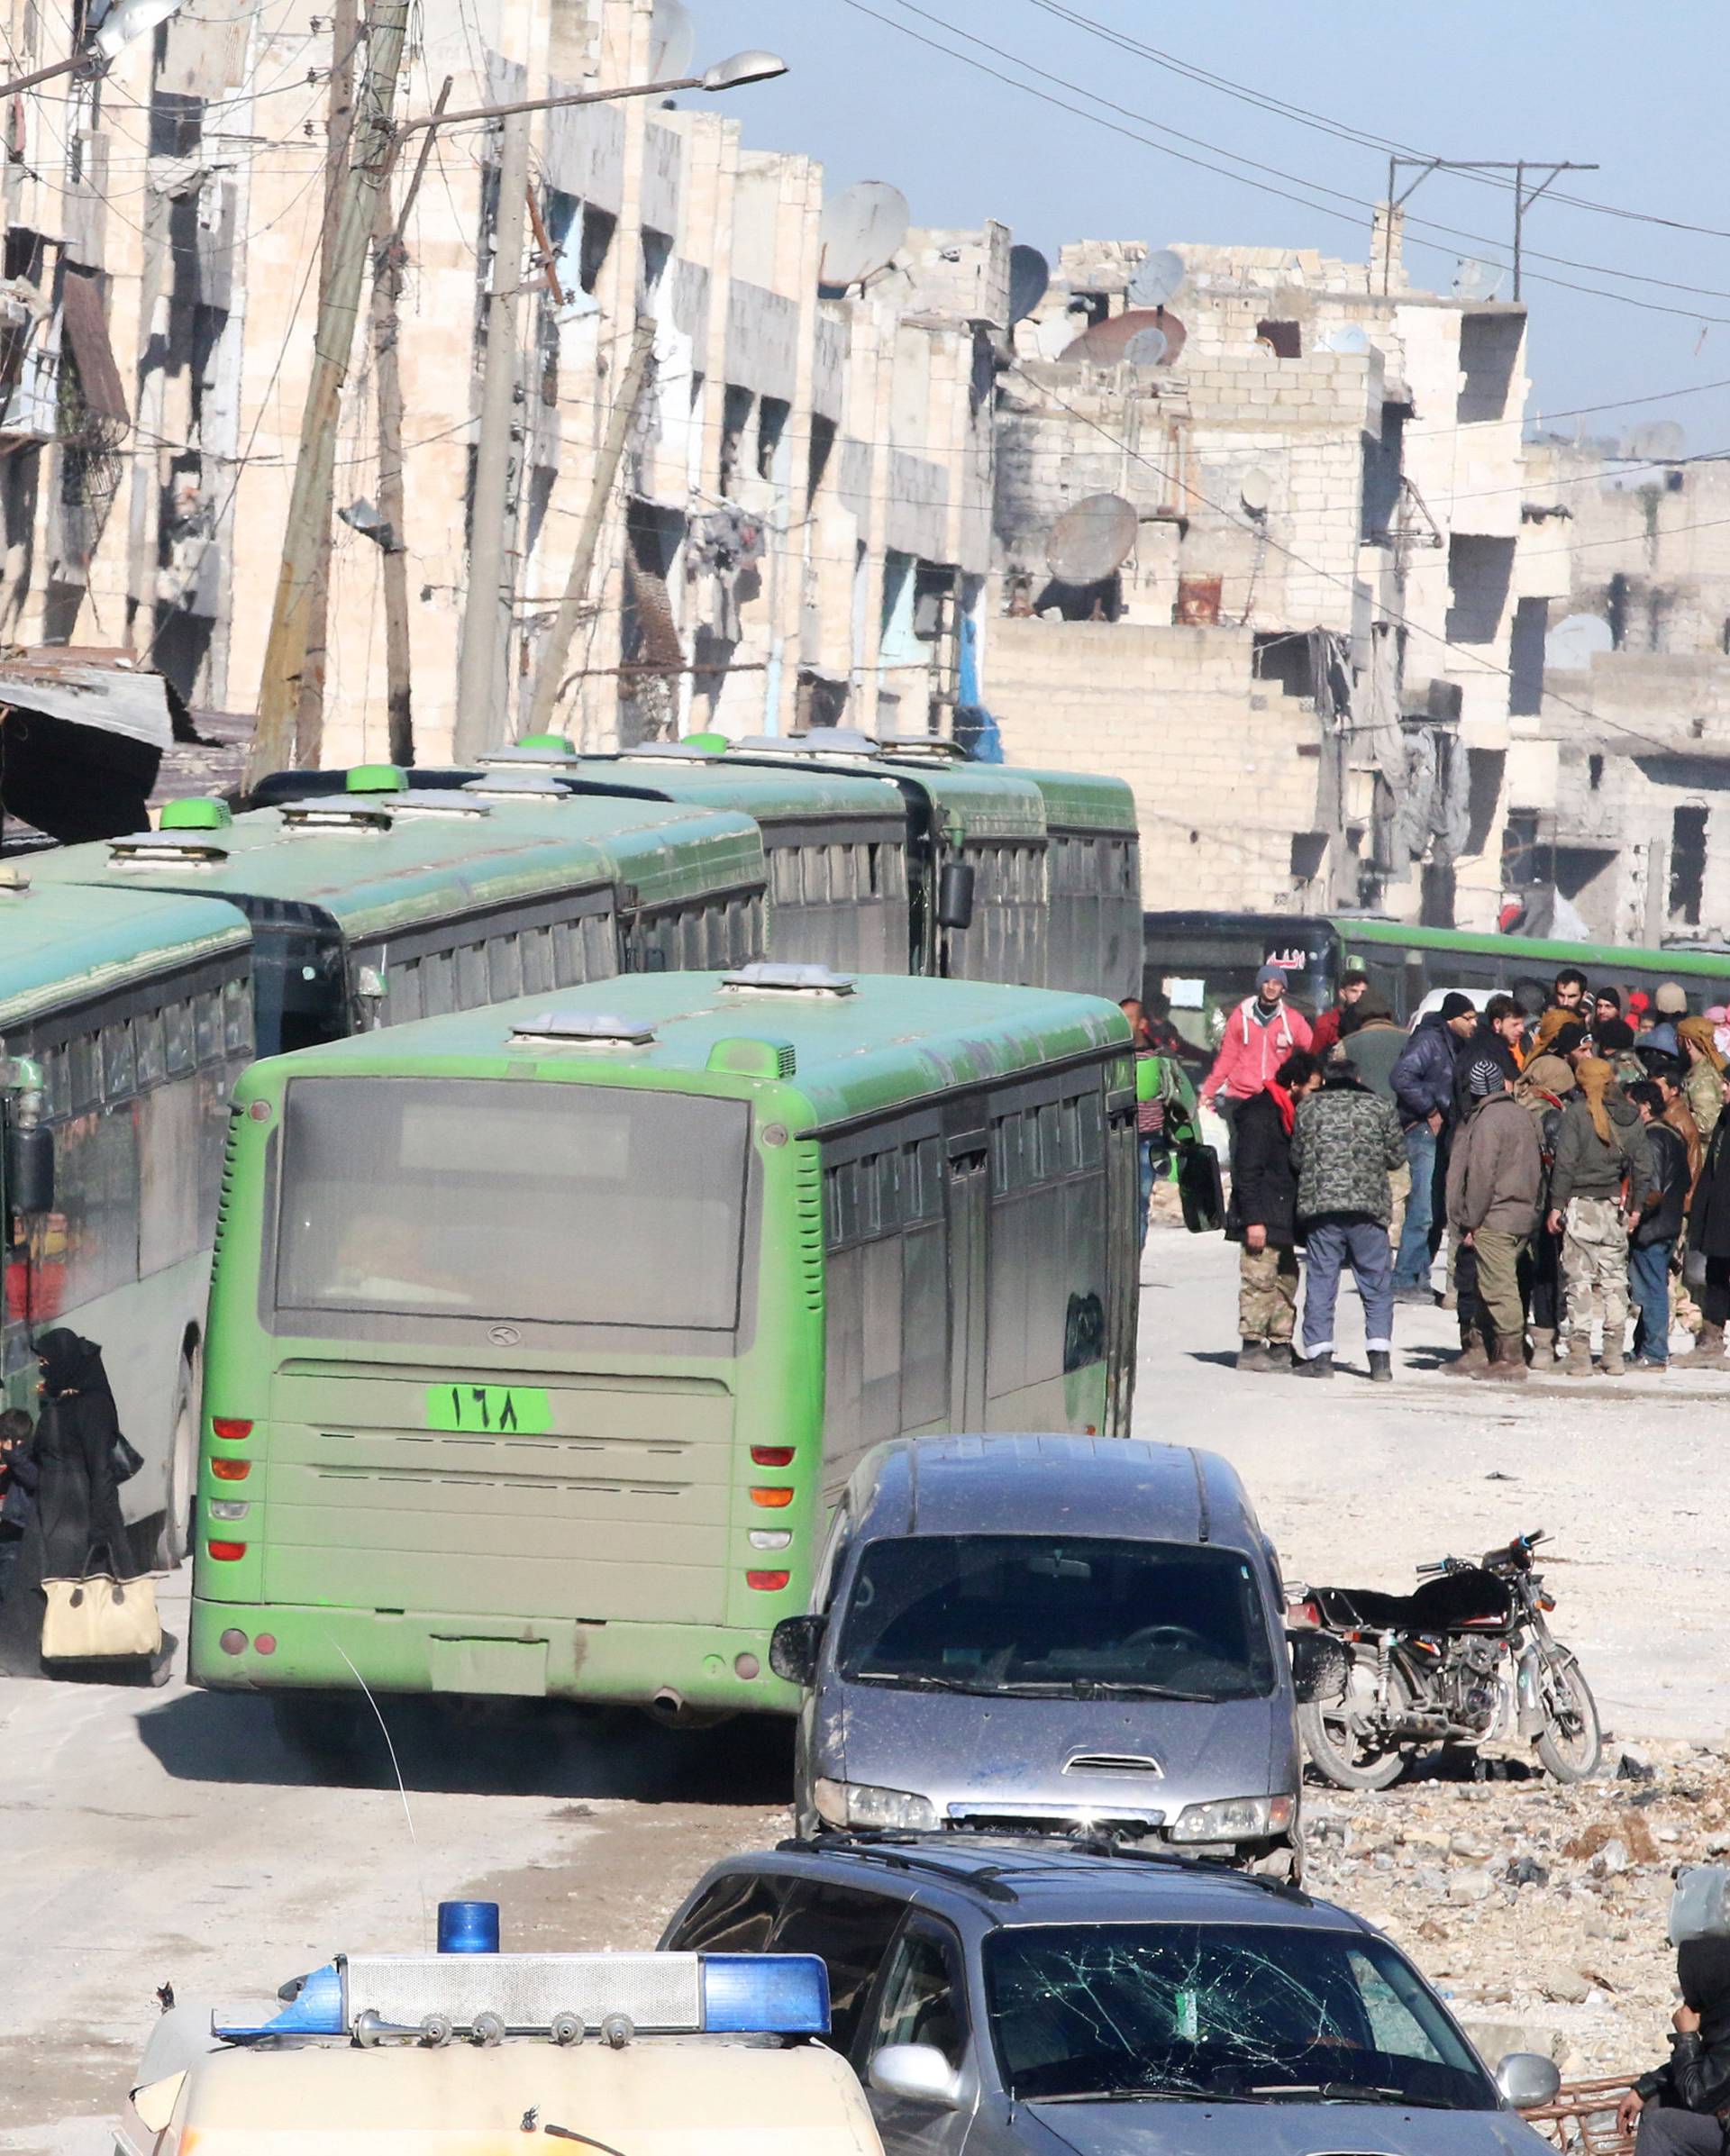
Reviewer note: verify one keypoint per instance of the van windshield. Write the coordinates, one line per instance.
(1031, 1615)
(475, 1198)
(1221, 2012)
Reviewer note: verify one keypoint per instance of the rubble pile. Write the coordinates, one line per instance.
(1537, 1911)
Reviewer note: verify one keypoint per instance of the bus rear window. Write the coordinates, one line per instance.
(472, 1198)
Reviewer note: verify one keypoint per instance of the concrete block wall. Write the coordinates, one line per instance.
(1217, 760)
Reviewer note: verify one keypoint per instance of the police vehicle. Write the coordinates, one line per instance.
(495, 2054)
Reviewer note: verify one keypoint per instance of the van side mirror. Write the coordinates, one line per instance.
(1319, 1666)
(29, 1169)
(794, 1647)
(918, 2073)
(1527, 2079)
(955, 900)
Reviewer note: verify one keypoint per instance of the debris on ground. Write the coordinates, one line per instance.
(1537, 1910)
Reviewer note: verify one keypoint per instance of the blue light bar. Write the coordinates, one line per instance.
(765, 1995)
(723, 1995)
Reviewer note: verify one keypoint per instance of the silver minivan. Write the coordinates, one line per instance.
(1019, 1634)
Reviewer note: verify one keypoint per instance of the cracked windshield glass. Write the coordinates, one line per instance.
(1231, 2013)
(1023, 1614)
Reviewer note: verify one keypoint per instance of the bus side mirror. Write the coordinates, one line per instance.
(29, 1169)
(794, 1647)
(955, 895)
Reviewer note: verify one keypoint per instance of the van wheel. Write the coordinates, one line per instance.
(174, 1538)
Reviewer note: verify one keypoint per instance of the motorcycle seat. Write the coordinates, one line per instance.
(1473, 1601)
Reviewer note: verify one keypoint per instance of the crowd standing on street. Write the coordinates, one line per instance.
(1574, 1162)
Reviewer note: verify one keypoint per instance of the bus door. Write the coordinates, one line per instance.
(968, 1209)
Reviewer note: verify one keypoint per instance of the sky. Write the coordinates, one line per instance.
(1637, 93)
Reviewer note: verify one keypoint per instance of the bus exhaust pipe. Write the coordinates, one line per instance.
(672, 1710)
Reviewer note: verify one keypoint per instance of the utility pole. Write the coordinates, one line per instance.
(549, 676)
(1524, 196)
(489, 611)
(388, 264)
(274, 741)
(345, 25)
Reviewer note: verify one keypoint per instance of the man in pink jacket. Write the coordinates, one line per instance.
(1259, 1036)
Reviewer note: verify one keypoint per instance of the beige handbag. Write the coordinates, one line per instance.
(100, 1619)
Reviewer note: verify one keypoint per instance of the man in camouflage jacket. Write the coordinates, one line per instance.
(1346, 1142)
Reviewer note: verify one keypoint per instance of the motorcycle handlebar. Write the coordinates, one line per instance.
(1517, 1554)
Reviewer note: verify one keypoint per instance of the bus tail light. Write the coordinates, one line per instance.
(231, 1470)
(773, 1498)
(771, 1456)
(768, 1582)
(230, 1428)
(226, 1553)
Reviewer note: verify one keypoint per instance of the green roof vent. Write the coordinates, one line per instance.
(376, 778)
(549, 744)
(199, 812)
(754, 1058)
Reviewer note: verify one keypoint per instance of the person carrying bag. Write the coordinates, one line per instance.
(77, 1603)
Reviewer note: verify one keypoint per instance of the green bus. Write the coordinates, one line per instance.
(540, 1340)
(1202, 964)
(883, 858)
(125, 1019)
(367, 909)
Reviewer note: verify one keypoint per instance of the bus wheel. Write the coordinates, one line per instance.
(174, 1539)
(328, 1730)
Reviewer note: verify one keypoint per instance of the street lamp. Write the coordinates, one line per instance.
(116, 29)
(725, 75)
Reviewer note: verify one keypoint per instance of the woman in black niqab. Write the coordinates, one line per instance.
(78, 1529)
(1682, 2100)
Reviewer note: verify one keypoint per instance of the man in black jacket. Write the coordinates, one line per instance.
(1653, 1244)
(1678, 2105)
(1497, 1031)
(1263, 1216)
(1423, 1087)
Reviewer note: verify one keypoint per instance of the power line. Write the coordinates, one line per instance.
(1361, 203)
(1341, 129)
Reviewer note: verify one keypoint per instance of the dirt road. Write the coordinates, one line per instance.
(168, 1834)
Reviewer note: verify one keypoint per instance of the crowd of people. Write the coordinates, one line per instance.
(1571, 1164)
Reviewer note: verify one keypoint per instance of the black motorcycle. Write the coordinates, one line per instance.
(1467, 1658)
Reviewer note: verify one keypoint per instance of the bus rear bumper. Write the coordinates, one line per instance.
(618, 1663)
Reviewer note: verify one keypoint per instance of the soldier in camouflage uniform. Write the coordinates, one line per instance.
(1601, 1180)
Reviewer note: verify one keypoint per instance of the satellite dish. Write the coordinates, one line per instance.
(1659, 442)
(1158, 277)
(1147, 348)
(1349, 340)
(1030, 275)
(1106, 343)
(1090, 541)
(1054, 336)
(859, 232)
(1255, 490)
(1570, 645)
(1478, 280)
(672, 40)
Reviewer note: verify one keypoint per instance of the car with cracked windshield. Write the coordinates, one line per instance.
(1040, 1633)
(1034, 1998)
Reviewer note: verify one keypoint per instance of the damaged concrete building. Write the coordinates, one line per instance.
(802, 528)
(1619, 810)
(1313, 657)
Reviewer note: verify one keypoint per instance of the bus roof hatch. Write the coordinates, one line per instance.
(789, 981)
(587, 1029)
